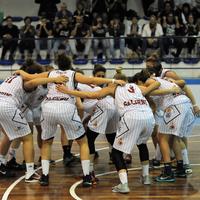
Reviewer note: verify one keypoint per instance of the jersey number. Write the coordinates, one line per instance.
(9, 79)
(131, 89)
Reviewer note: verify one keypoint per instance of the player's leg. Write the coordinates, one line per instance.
(68, 157)
(85, 160)
(4, 147)
(11, 161)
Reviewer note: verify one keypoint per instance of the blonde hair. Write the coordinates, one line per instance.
(119, 75)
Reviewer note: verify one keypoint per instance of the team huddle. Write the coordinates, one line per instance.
(128, 110)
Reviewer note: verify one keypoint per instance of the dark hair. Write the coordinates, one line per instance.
(135, 78)
(27, 17)
(9, 17)
(64, 62)
(98, 68)
(157, 69)
(33, 69)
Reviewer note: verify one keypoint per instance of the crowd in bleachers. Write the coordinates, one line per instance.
(105, 29)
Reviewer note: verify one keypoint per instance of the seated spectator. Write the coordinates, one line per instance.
(27, 35)
(116, 30)
(81, 11)
(82, 44)
(99, 8)
(86, 4)
(191, 30)
(152, 30)
(134, 43)
(117, 9)
(44, 35)
(10, 36)
(47, 8)
(167, 9)
(172, 27)
(99, 30)
(61, 33)
(183, 13)
(63, 13)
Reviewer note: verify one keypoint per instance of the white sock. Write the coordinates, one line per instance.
(85, 166)
(123, 177)
(11, 153)
(29, 169)
(45, 167)
(145, 170)
(158, 155)
(185, 157)
(91, 167)
(2, 159)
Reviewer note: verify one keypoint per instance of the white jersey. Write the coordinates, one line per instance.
(88, 104)
(163, 102)
(163, 73)
(35, 98)
(53, 94)
(11, 90)
(129, 98)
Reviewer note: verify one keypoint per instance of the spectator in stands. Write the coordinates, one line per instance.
(99, 30)
(183, 13)
(81, 11)
(44, 33)
(167, 9)
(172, 27)
(134, 42)
(27, 35)
(63, 13)
(10, 36)
(61, 33)
(86, 4)
(99, 8)
(191, 30)
(152, 30)
(117, 9)
(47, 8)
(116, 30)
(82, 44)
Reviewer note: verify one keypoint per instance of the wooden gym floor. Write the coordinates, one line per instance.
(65, 182)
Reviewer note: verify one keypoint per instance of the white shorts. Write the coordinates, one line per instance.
(13, 121)
(34, 115)
(61, 113)
(103, 121)
(178, 120)
(158, 115)
(134, 128)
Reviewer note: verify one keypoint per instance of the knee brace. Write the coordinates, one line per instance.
(118, 159)
(143, 152)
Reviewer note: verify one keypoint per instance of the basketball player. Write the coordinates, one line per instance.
(59, 108)
(136, 117)
(153, 61)
(12, 94)
(177, 121)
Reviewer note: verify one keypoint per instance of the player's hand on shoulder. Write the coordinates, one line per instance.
(120, 82)
(18, 72)
(61, 79)
(61, 88)
(196, 110)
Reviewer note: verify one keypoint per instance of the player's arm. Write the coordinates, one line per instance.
(80, 107)
(186, 89)
(87, 95)
(96, 81)
(160, 92)
(150, 86)
(26, 76)
(43, 81)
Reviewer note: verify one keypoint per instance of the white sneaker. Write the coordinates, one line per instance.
(188, 169)
(121, 188)
(146, 180)
(35, 177)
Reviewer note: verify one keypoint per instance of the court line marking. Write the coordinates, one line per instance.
(74, 186)
(11, 187)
